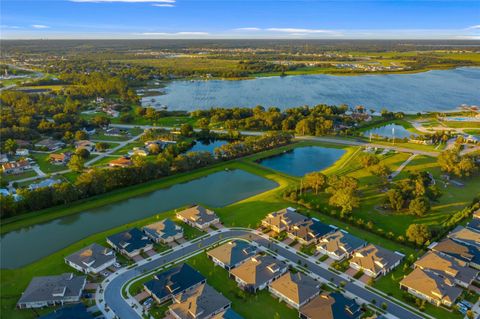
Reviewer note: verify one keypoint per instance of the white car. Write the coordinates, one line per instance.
(117, 265)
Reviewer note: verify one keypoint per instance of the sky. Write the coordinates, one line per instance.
(198, 19)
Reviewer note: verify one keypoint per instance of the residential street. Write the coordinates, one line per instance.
(112, 295)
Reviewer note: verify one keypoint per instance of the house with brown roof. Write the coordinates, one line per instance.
(257, 272)
(309, 231)
(283, 219)
(60, 159)
(330, 306)
(447, 267)
(295, 289)
(431, 287)
(164, 231)
(375, 260)
(232, 253)
(85, 144)
(198, 216)
(120, 162)
(339, 245)
(16, 167)
(203, 302)
(465, 236)
(468, 254)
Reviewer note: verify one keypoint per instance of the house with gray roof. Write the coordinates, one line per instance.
(52, 290)
(295, 289)
(309, 231)
(375, 260)
(164, 231)
(232, 254)
(166, 284)
(200, 303)
(91, 259)
(465, 236)
(283, 219)
(339, 245)
(331, 306)
(130, 243)
(198, 216)
(259, 271)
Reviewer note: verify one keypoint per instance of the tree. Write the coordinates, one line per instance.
(343, 193)
(395, 199)
(101, 146)
(204, 123)
(368, 160)
(10, 146)
(82, 152)
(451, 161)
(154, 148)
(419, 206)
(76, 163)
(80, 135)
(315, 181)
(382, 171)
(418, 233)
(186, 129)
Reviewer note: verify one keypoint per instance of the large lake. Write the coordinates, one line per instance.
(303, 160)
(28, 244)
(427, 91)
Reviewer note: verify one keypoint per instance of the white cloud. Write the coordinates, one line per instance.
(248, 29)
(4, 26)
(297, 31)
(40, 26)
(474, 27)
(129, 1)
(183, 33)
(166, 5)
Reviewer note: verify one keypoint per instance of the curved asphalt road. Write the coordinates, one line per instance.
(119, 306)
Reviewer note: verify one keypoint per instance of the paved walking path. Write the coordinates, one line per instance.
(401, 167)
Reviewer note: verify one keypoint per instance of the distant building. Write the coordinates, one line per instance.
(3, 158)
(164, 231)
(60, 159)
(139, 151)
(232, 254)
(431, 287)
(332, 306)
(120, 162)
(375, 261)
(91, 259)
(16, 167)
(201, 303)
(50, 144)
(339, 245)
(113, 131)
(22, 152)
(166, 284)
(198, 216)
(89, 129)
(52, 290)
(49, 182)
(85, 144)
(295, 289)
(130, 243)
(256, 273)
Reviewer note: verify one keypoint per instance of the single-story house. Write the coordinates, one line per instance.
(283, 219)
(130, 243)
(257, 272)
(61, 158)
(164, 231)
(75, 311)
(309, 231)
(295, 289)
(50, 144)
(120, 162)
(49, 182)
(22, 152)
(200, 303)
(375, 260)
(140, 151)
(466, 253)
(52, 290)
(447, 267)
(91, 259)
(165, 285)
(85, 144)
(331, 306)
(339, 245)
(16, 167)
(232, 254)
(465, 235)
(431, 287)
(198, 216)
(113, 131)
(89, 129)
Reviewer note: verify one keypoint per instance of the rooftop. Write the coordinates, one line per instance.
(198, 214)
(465, 235)
(163, 229)
(457, 250)
(233, 252)
(92, 256)
(259, 270)
(340, 243)
(333, 306)
(296, 287)
(130, 240)
(76, 311)
(446, 267)
(375, 258)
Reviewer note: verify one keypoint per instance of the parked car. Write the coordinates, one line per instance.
(105, 273)
(117, 265)
(148, 303)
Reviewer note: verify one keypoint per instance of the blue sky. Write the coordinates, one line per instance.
(240, 19)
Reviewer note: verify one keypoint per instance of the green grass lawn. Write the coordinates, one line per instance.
(45, 165)
(15, 177)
